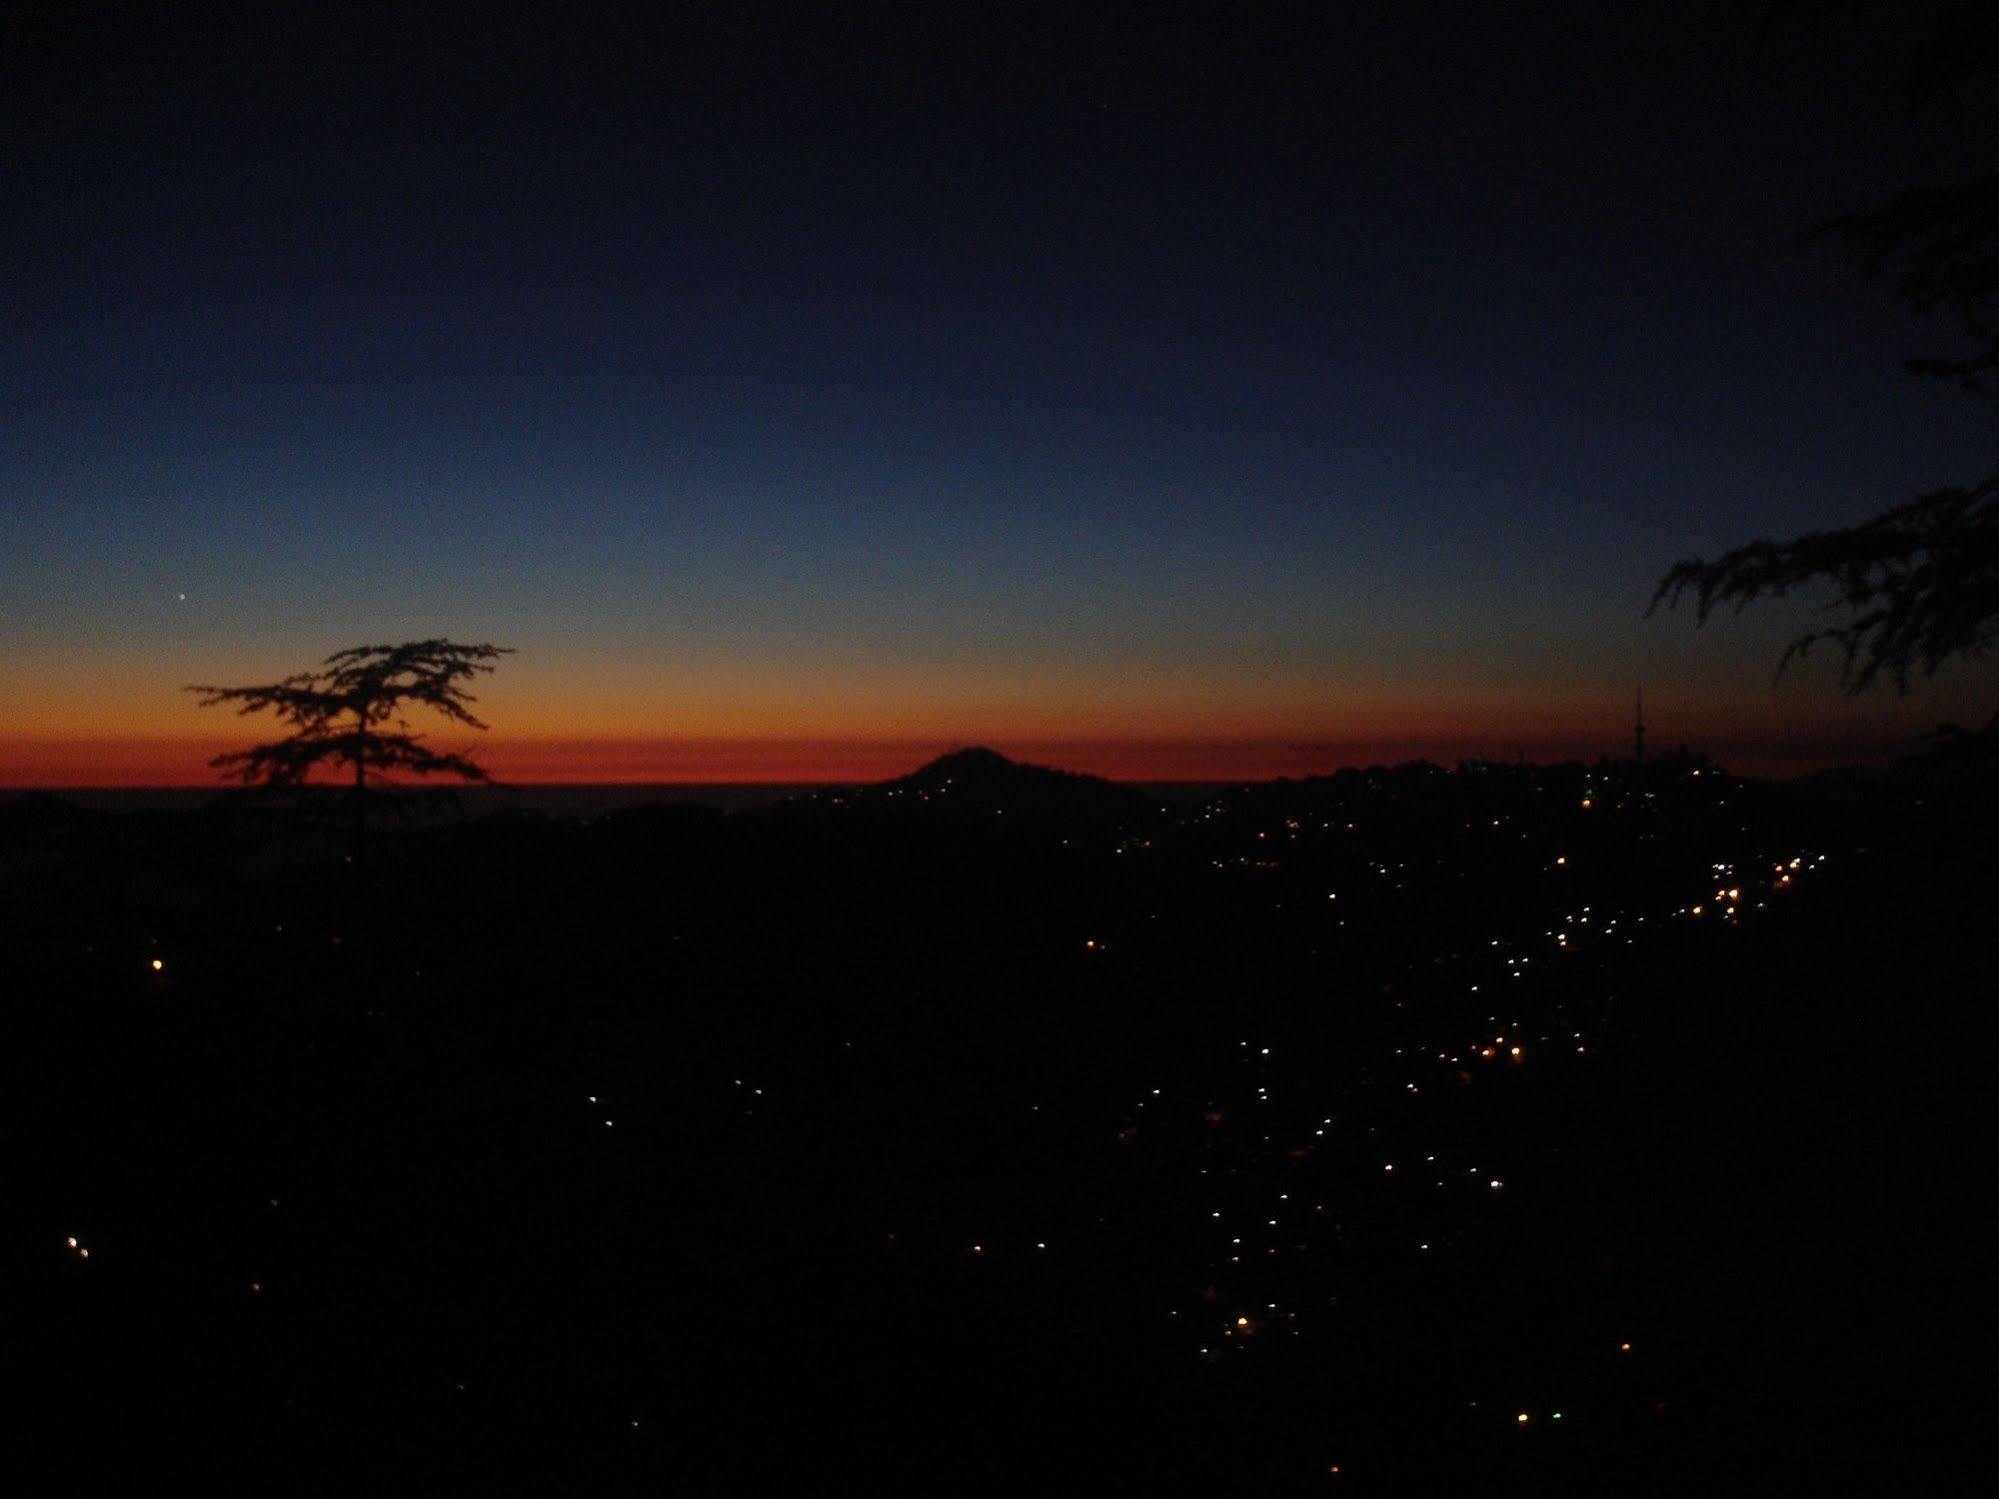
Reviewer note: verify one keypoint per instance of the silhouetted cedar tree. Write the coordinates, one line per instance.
(1918, 585)
(349, 720)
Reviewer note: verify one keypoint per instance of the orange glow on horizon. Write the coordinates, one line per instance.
(137, 762)
(577, 722)
(160, 761)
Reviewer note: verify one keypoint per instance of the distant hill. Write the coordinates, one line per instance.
(984, 782)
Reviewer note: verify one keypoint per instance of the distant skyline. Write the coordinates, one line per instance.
(1169, 398)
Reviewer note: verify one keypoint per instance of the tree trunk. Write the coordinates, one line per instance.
(360, 794)
(360, 945)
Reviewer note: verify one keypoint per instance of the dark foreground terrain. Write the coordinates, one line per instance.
(1508, 1130)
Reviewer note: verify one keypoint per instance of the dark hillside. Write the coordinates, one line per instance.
(1333, 1122)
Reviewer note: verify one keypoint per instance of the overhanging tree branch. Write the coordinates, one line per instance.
(1940, 249)
(1919, 584)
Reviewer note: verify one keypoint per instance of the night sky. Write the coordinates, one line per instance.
(1167, 396)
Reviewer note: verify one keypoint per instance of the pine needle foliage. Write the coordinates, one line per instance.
(349, 716)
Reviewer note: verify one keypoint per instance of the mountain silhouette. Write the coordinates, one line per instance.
(982, 782)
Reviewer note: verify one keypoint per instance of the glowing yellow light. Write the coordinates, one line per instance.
(1521, 1418)
(1516, 1051)
(158, 965)
(1242, 1322)
(1562, 859)
(1623, 1347)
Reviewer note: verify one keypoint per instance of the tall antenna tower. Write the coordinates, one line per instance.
(1638, 730)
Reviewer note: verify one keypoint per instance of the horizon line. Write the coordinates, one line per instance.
(133, 762)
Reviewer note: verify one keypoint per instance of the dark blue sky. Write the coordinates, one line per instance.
(1337, 379)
